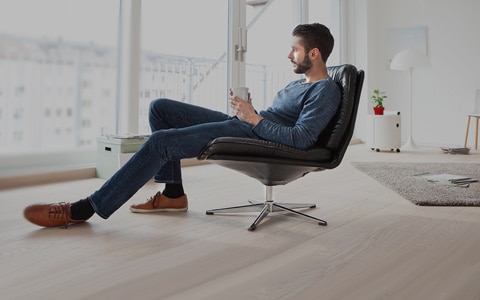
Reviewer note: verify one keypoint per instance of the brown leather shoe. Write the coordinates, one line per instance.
(50, 215)
(159, 203)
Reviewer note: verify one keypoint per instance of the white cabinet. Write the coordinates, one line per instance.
(384, 131)
(113, 152)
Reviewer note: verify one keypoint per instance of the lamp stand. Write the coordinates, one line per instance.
(410, 144)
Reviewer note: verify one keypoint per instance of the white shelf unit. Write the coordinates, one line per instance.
(384, 131)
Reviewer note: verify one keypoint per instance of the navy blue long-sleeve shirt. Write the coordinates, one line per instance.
(299, 113)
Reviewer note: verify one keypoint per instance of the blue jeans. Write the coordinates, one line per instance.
(179, 130)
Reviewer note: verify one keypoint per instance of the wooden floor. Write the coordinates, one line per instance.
(377, 245)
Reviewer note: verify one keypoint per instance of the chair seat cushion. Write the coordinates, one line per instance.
(233, 146)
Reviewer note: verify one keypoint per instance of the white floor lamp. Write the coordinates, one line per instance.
(407, 60)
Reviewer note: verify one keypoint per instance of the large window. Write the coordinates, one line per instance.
(59, 74)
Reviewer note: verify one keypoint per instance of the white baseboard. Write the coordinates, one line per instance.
(45, 177)
(16, 181)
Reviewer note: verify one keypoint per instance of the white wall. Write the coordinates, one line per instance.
(444, 92)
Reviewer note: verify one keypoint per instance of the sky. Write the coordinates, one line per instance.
(73, 20)
(190, 28)
(178, 27)
(171, 27)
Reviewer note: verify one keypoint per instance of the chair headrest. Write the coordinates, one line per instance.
(346, 78)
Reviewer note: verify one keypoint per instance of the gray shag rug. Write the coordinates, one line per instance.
(401, 177)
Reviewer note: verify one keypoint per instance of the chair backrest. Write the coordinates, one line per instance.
(339, 132)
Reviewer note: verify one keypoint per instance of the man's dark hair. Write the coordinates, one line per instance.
(315, 36)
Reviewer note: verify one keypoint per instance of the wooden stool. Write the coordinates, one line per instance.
(476, 115)
(476, 130)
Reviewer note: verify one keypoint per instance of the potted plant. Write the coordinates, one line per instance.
(377, 99)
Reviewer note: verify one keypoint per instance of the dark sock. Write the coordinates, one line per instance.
(81, 210)
(173, 190)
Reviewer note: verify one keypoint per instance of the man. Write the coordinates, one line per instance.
(299, 113)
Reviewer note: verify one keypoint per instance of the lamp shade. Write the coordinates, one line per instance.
(409, 58)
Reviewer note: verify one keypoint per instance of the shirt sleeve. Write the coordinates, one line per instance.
(318, 109)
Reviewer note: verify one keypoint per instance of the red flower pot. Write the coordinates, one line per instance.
(378, 110)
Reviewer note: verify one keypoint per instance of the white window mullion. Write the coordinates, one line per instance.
(300, 12)
(128, 67)
(237, 43)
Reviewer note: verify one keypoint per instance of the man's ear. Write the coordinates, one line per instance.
(315, 53)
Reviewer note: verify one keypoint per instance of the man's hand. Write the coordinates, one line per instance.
(244, 110)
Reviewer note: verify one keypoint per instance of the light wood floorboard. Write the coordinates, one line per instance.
(377, 245)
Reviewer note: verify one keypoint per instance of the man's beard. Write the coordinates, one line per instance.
(302, 67)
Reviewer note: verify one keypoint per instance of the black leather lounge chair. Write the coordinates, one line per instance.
(276, 164)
